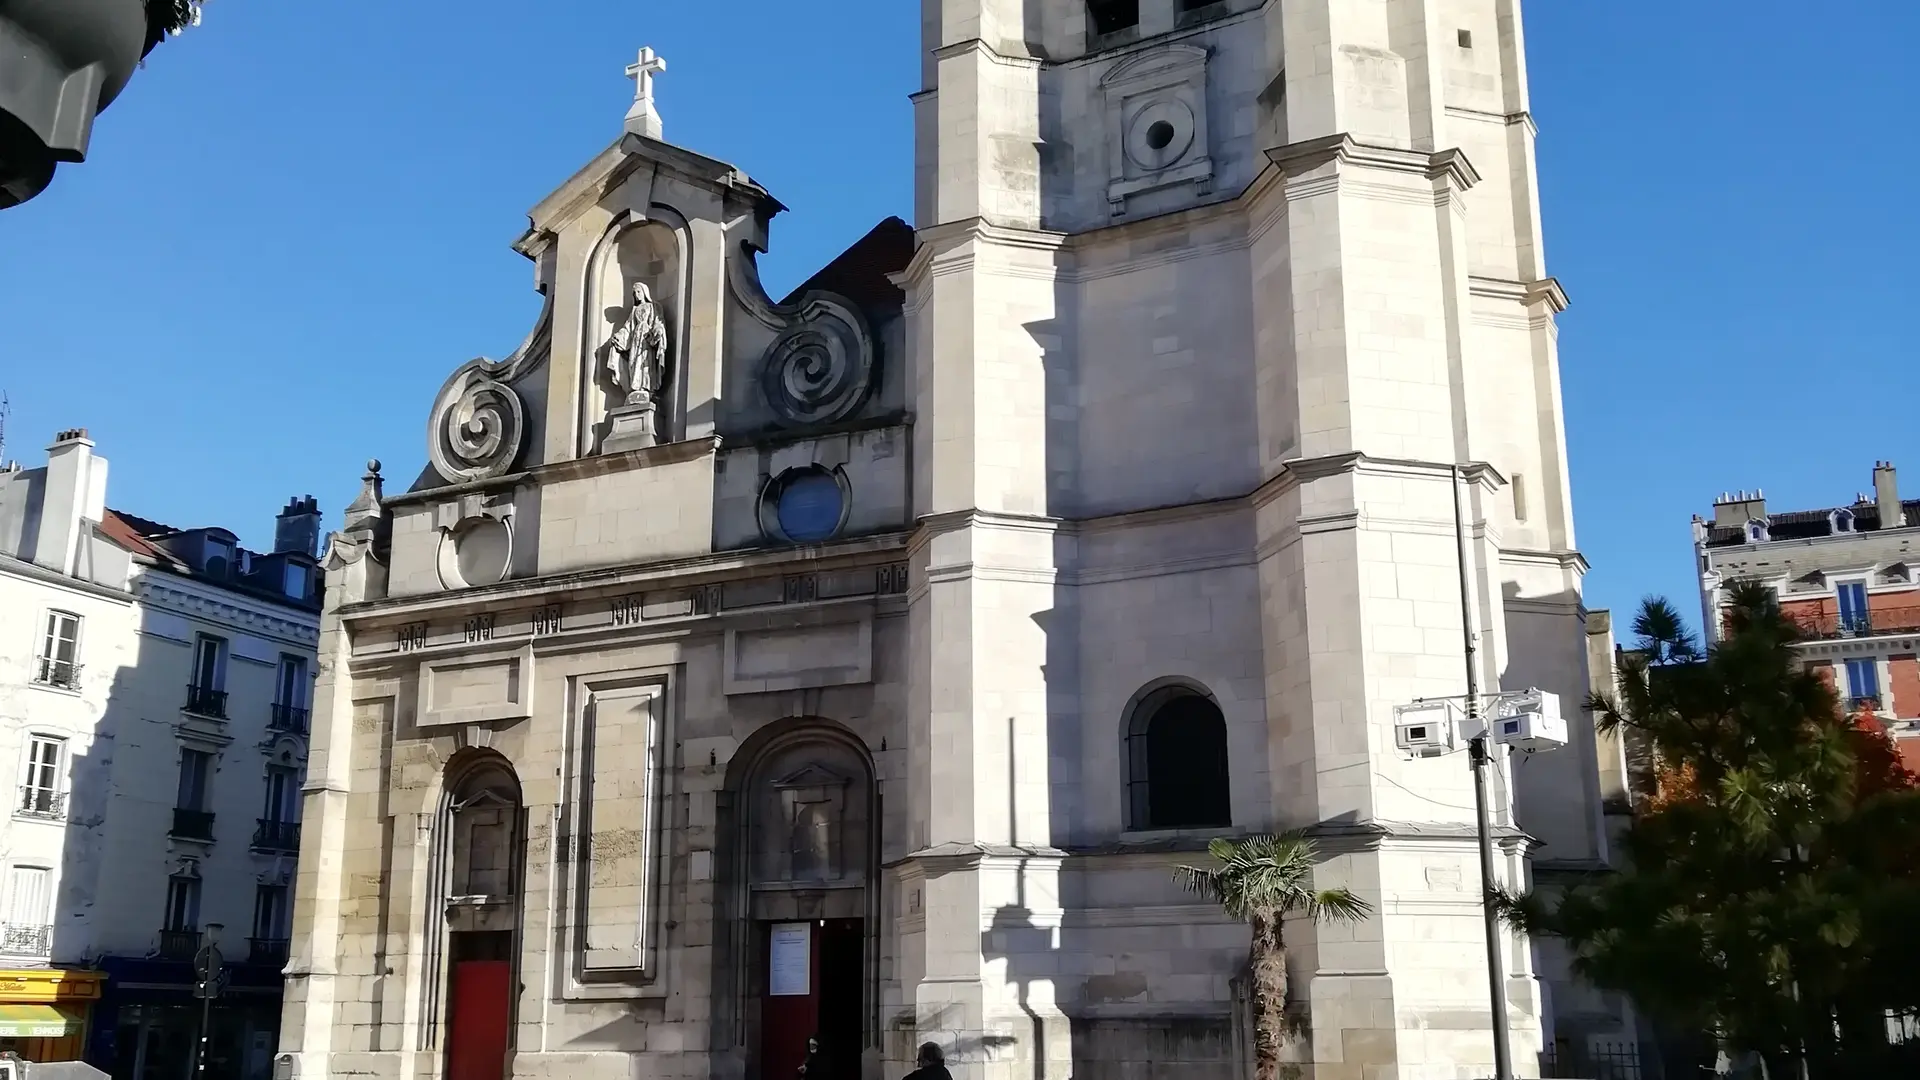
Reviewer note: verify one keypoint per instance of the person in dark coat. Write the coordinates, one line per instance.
(933, 1064)
(815, 1065)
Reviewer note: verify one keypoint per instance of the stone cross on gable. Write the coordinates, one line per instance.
(643, 118)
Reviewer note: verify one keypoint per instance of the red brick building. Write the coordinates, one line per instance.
(1850, 573)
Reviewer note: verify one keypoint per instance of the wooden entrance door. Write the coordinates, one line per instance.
(818, 995)
(482, 1007)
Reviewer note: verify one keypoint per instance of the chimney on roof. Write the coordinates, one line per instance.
(1886, 495)
(297, 529)
(1735, 510)
(74, 492)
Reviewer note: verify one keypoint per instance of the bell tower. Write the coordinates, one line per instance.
(1212, 304)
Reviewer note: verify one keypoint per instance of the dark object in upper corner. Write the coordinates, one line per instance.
(860, 272)
(165, 17)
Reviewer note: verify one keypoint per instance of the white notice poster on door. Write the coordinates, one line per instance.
(789, 965)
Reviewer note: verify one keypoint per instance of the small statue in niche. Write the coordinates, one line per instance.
(636, 358)
(812, 842)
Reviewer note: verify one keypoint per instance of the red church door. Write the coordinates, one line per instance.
(482, 1007)
(813, 989)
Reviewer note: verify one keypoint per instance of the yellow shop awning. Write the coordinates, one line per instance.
(38, 1022)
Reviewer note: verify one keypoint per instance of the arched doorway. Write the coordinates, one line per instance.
(478, 878)
(799, 915)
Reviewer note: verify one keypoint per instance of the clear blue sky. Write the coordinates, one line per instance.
(295, 224)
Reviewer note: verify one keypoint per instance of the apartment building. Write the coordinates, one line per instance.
(1849, 572)
(154, 686)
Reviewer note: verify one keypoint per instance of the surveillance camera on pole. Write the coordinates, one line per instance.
(1529, 721)
(1425, 729)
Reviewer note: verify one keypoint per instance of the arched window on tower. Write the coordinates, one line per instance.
(1177, 762)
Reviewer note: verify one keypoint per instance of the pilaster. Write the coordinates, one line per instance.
(312, 995)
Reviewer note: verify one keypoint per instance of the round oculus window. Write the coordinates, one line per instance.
(1160, 134)
(481, 550)
(809, 506)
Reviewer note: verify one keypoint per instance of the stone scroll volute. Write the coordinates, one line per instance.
(478, 429)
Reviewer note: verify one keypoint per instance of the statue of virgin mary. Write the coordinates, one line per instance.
(637, 359)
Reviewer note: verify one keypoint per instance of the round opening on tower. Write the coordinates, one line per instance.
(1159, 135)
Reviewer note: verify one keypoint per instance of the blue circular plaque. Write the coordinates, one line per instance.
(810, 506)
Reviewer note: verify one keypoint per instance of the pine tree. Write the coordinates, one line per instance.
(1769, 887)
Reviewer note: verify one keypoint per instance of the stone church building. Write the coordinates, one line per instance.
(858, 665)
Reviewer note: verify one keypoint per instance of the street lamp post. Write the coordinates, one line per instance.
(210, 972)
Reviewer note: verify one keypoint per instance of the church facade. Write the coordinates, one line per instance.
(858, 666)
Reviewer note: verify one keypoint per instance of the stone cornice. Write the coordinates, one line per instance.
(35, 572)
(570, 469)
(1450, 165)
(1333, 837)
(952, 856)
(709, 570)
(938, 241)
(195, 599)
(1341, 837)
(1297, 471)
(1522, 118)
(696, 569)
(1545, 290)
(1562, 559)
(980, 45)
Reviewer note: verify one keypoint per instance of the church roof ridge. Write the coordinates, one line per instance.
(861, 273)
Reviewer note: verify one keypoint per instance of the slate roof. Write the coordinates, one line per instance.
(860, 272)
(1806, 524)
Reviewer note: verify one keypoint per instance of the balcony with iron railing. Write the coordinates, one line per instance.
(288, 718)
(64, 674)
(192, 824)
(271, 835)
(1831, 625)
(273, 951)
(206, 701)
(39, 802)
(179, 944)
(25, 939)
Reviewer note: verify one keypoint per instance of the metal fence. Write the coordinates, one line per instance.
(1594, 1061)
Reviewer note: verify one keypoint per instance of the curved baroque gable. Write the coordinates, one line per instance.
(820, 367)
(479, 426)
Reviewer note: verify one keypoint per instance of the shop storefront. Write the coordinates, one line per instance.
(44, 1012)
(147, 1025)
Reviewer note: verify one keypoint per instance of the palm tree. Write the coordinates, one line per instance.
(1261, 880)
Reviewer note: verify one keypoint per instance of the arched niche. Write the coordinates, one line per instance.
(798, 833)
(652, 250)
(476, 882)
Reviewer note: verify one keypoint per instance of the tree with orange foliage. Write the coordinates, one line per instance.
(1771, 888)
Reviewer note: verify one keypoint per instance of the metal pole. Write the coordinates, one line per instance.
(1478, 756)
(1502, 1053)
(200, 1052)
